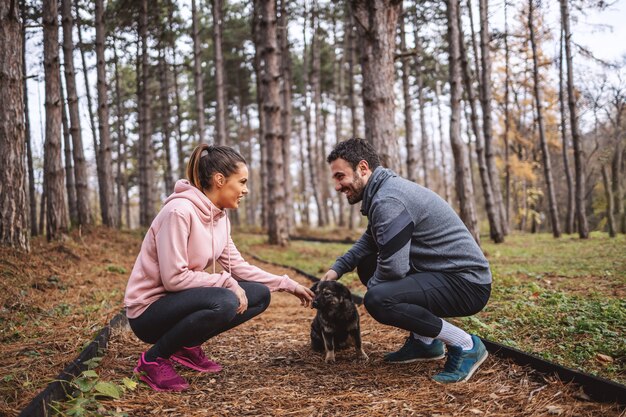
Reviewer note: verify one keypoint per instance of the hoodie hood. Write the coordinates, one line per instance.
(376, 180)
(206, 210)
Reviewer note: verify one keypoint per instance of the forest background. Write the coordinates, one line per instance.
(500, 107)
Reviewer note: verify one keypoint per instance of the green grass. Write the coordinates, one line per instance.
(561, 299)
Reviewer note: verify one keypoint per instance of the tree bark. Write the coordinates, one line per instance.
(547, 166)
(444, 169)
(571, 202)
(13, 203)
(411, 160)
(70, 185)
(32, 201)
(220, 110)
(285, 112)
(168, 180)
(145, 152)
(258, 40)
(485, 99)
(579, 157)
(464, 190)
(276, 217)
(507, 118)
(493, 215)
(121, 176)
(608, 192)
(56, 208)
(376, 24)
(197, 71)
(80, 164)
(105, 177)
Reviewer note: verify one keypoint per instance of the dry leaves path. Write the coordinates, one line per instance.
(270, 370)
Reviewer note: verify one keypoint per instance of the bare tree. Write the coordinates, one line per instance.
(276, 216)
(547, 166)
(220, 111)
(70, 186)
(197, 71)
(376, 24)
(462, 175)
(13, 203)
(80, 165)
(105, 173)
(571, 202)
(411, 160)
(56, 208)
(581, 216)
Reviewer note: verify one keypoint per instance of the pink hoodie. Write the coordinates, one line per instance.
(187, 236)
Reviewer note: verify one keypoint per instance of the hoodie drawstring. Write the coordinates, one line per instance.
(212, 241)
(228, 241)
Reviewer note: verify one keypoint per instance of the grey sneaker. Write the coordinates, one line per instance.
(415, 350)
(462, 364)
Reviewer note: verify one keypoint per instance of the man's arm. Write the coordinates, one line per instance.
(393, 227)
(348, 261)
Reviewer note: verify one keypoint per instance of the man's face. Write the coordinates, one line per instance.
(347, 180)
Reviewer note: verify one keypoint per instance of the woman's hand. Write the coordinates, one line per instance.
(243, 300)
(304, 294)
(331, 275)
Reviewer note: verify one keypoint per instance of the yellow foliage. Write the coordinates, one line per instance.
(522, 170)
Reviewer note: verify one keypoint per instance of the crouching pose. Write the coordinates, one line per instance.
(417, 259)
(171, 302)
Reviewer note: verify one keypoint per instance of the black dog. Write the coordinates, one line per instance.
(337, 319)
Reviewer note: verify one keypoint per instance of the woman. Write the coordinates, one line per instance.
(171, 302)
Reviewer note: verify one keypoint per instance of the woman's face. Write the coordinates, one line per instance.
(233, 188)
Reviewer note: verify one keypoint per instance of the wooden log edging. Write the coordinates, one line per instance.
(59, 388)
(598, 388)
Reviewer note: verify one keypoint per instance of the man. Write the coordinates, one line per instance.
(417, 259)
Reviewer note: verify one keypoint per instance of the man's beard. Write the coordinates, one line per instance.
(356, 193)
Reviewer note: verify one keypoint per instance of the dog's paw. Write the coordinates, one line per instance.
(362, 356)
(330, 357)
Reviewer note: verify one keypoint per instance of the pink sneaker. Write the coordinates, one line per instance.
(160, 375)
(194, 358)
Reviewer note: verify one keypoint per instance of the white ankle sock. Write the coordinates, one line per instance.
(427, 340)
(453, 336)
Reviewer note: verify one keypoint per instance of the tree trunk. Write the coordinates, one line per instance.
(339, 105)
(376, 23)
(485, 99)
(352, 98)
(422, 107)
(547, 166)
(80, 165)
(322, 218)
(493, 216)
(411, 160)
(304, 194)
(220, 110)
(276, 217)
(258, 40)
(121, 176)
(608, 192)
(32, 200)
(571, 202)
(507, 119)
(197, 71)
(464, 190)
(70, 185)
(107, 202)
(145, 152)
(168, 180)
(13, 210)
(179, 117)
(444, 169)
(285, 113)
(579, 157)
(56, 208)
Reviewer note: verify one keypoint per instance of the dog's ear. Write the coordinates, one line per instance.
(345, 293)
(315, 286)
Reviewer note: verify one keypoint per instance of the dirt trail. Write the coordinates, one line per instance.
(270, 370)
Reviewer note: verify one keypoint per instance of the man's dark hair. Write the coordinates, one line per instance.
(355, 150)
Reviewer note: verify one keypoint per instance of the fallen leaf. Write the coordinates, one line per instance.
(475, 411)
(604, 358)
(553, 409)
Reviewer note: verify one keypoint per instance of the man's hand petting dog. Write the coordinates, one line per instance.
(330, 276)
(336, 321)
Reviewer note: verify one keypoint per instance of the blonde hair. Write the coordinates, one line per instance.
(208, 160)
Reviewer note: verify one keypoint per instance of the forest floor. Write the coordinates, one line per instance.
(55, 299)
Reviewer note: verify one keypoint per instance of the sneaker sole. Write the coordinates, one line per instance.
(176, 388)
(434, 358)
(194, 367)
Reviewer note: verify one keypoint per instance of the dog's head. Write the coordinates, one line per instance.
(329, 294)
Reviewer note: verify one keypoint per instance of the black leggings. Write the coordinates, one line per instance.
(417, 302)
(191, 317)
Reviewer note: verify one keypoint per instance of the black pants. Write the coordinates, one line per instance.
(417, 302)
(191, 317)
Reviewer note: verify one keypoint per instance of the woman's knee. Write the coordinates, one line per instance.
(258, 295)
